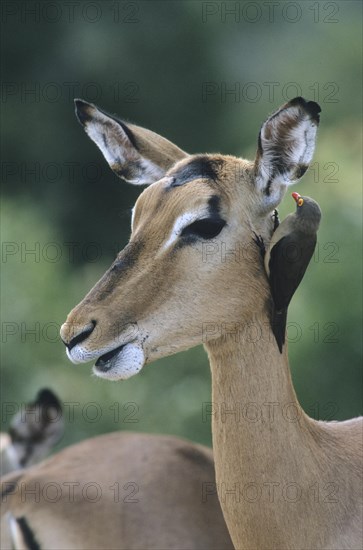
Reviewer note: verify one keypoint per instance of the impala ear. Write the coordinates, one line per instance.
(135, 154)
(286, 145)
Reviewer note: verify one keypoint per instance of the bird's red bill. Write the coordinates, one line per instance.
(295, 196)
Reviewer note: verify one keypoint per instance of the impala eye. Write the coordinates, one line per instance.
(208, 228)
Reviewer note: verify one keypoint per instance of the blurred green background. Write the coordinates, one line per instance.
(205, 75)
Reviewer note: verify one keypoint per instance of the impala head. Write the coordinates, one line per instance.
(178, 272)
(34, 430)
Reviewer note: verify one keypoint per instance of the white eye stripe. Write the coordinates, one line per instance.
(180, 223)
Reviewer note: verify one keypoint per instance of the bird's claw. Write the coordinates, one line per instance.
(260, 243)
(276, 220)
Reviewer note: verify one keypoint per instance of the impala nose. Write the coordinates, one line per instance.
(81, 334)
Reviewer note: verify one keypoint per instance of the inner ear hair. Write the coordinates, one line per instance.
(286, 145)
(135, 154)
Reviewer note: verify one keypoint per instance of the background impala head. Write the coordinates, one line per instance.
(167, 283)
(33, 431)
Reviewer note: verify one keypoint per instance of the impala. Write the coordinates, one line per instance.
(119, 491)
(285, 481)
(34, 430)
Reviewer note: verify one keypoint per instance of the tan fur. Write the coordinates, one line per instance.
(144, 492)
(305, 475)
(156, 148)
(120, 299)
(171, 295)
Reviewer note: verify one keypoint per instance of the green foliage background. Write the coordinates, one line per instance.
(161, 61)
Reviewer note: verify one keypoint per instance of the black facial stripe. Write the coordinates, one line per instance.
(127, 259)
(214, 206)
(28, 534)
(200, 167)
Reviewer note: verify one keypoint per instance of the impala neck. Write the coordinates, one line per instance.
(247, 367)
(261, 436)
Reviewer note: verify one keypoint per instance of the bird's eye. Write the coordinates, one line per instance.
(207, 228)
(300, 202)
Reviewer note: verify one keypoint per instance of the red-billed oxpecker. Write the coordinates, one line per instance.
(287, 257)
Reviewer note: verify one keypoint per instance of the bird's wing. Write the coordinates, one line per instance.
(283, 229)
(288, 261)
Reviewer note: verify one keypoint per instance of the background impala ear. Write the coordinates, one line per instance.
(135, 154)
(286, 145)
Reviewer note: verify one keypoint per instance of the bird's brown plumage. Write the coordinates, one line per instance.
(287, 258)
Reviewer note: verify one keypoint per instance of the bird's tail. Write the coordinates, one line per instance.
(279, 326)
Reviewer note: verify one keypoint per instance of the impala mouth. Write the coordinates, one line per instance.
(121, 362)
(105, 363)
